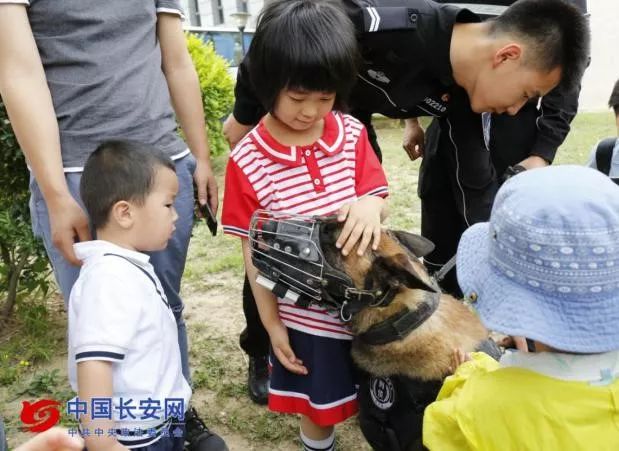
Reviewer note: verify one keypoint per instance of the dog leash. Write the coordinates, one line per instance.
(441, 273)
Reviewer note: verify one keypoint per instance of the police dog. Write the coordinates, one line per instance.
(400, 377)
(426, 352)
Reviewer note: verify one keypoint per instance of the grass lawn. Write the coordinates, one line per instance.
(33, 348)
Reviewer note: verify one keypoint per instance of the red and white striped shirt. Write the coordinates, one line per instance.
(317, 179)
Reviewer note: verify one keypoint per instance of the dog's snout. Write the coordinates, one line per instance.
(329, 233)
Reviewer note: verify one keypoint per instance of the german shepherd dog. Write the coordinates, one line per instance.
(411, 366)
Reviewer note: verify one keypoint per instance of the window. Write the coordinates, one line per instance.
(218, 12)
(241, 5)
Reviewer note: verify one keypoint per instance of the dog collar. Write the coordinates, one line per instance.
(356, 300)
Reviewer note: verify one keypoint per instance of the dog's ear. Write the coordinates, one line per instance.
(400, 268)
(417, 244)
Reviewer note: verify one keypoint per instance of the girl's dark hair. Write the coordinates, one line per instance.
(613, 102)
(303, 44)
(119, 170)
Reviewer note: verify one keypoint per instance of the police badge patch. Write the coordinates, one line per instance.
(382, 392)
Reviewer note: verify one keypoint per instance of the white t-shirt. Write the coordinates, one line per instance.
(118, 312)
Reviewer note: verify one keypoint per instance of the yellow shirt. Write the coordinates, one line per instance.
(545, 401)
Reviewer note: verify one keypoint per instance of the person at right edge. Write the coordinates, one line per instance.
(605, 155)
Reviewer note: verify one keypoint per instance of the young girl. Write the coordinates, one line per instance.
(306, 158)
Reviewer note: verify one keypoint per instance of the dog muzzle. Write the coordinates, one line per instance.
(287, 251)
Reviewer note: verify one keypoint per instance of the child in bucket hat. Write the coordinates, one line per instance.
(545, 267)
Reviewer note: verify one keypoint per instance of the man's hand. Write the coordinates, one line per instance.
(234, 131)
(68, 222)
(413, 141)
(533, 162)
(206, 184)
(282, 349)
(363, 220)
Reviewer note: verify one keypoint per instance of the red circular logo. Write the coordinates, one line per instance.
(40, 415)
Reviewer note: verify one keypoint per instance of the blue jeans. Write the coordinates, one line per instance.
(4, 446)
(169, 263)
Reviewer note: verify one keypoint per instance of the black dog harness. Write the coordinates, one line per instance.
(399, 325)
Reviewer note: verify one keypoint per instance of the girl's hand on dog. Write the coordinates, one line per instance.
(363, 221)
(283, 351)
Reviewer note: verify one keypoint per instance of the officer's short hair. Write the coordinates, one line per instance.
(556, 32)
(613, 102)
(119, 170)
(303, 44)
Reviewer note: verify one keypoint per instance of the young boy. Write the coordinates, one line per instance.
(545, 267)
(605, 155)
(123, 343)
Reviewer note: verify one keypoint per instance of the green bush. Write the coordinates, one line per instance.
(24, 268)
(217, 88)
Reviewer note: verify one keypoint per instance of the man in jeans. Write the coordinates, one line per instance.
(74, 73)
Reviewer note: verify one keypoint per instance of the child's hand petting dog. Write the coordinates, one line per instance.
(280, 343)
(363, 221)
(458, 358)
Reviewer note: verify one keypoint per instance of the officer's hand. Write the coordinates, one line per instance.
(234, 131)
(533, 162)
(283, 351)
(413, 141)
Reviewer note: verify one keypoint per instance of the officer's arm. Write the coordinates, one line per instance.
(558, 108)
(414, 137)
(247, 108)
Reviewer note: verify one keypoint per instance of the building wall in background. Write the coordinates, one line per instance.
(604, 69)
(209, 11)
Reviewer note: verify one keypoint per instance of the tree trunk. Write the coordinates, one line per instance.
(14, 273)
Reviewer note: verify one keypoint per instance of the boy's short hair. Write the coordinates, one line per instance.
(119, 170)
(303, 44)
(613, 102)
(556, 32)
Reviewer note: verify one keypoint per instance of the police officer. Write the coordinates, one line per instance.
(468, 155)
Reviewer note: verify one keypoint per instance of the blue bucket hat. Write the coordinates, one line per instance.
(546, 266)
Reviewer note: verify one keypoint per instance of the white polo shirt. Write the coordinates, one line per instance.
(118, 312)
